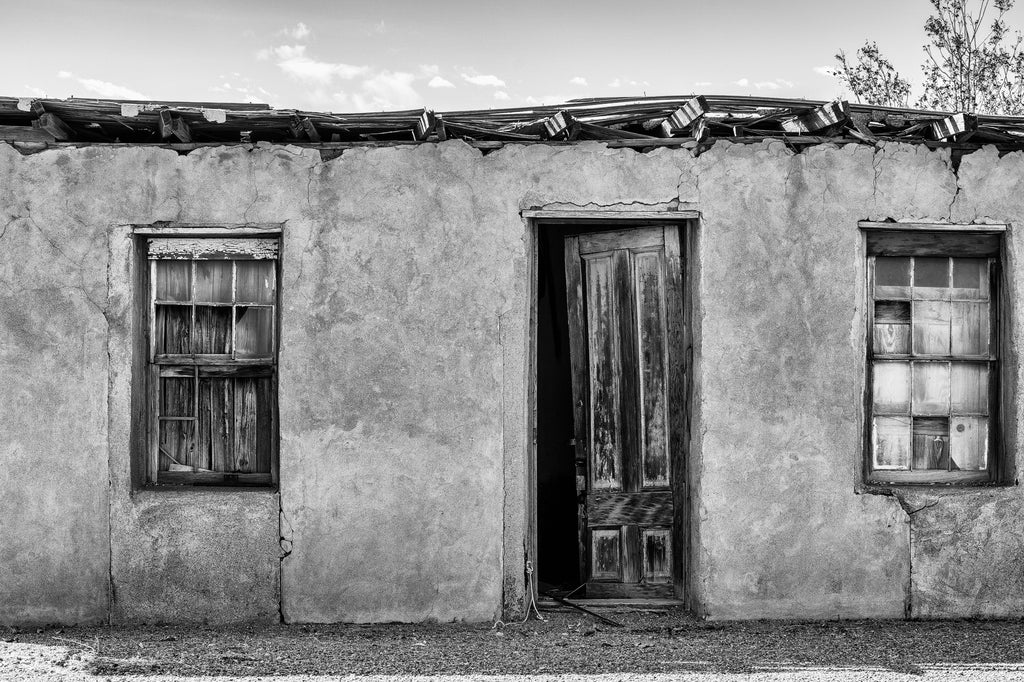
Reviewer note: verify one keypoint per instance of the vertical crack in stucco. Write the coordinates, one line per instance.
(908, 601)
(876, 167)
(110, 410)
(284, 541)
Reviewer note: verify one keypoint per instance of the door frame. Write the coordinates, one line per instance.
(687, 222)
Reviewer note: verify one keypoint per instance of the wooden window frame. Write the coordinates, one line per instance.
(947, 241)
(206, 239)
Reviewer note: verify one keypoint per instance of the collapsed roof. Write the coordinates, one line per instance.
(644, 123)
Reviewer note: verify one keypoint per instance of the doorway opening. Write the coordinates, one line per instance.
(610, 403)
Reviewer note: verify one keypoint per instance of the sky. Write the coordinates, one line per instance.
(446, 55)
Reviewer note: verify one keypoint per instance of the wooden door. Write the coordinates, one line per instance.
(627, 351)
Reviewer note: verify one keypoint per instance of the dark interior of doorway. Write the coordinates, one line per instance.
(557, 540)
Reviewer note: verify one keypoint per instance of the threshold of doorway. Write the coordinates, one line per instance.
(548, 603)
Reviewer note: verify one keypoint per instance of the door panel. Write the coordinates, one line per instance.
(625, 330)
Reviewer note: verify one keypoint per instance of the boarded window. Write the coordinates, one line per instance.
(932, 361)
(213, 361)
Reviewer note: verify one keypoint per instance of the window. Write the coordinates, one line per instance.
(932, 357)
(212, 361)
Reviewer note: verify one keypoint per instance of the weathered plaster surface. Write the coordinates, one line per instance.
(403, 383)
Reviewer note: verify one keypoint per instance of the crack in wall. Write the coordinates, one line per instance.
(284, 541)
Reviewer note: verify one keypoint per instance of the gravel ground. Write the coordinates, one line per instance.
(567, 646)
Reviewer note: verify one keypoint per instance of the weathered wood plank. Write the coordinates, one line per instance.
(245, 426)
(24, 133)
(53, 125)
(679, 363)
(648, 508)
(600, 242)
(605, 375)
(628, 371)
(222, 436)
(212, 333)
(173, 329)
(932, 243)
(264, 454)
(651, 338)
(631, 554)
(579, 374)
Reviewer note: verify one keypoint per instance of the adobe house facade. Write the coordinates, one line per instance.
(422, 405)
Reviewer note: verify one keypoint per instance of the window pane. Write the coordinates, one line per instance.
(176, 397)
(931, 444)
(931, 278)
(892, 277)
(968, 443)
(173, 329)
(931, 388)
(969, 388)
(255, 281)
(891, 384)
(970, 278)
(892, 443)
(213, 281)
(254, 333)
(177, 445)
(173, 280)
(969, 328)
(892, 327)
(931, 327)
(213, 329)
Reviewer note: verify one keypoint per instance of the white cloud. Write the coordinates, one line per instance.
(246, 90)
(34, 91)
(702, 84)
(486, 80)
(104, 89)
(297, 32)
(766, 85)
(293, 61)
(615, 83)
(785, 83)
(743, 82)
(429, 70)
(501, 96)
(438, 82)
(387, 90)
(824, 71)
(577, 80)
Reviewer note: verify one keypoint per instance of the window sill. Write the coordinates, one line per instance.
(178, 479)
(931, 479)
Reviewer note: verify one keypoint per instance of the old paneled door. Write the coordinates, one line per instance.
(627, 344)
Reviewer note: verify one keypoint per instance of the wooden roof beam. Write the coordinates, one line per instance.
(684, 116)
(954, 125)
(823, 117)
(52, 124)
(425, 125)
(560, 126)
(174, 126)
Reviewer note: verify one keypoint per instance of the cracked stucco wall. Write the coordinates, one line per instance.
(403, 365)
